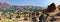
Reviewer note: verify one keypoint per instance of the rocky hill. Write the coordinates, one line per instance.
(7, 6)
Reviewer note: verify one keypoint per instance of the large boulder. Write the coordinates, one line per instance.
(58, 7)
(51, 8)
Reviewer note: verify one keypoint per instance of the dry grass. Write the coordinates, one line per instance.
(13, 20)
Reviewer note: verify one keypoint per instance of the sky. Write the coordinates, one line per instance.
(42, 3)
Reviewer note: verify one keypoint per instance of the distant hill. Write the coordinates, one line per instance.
(7, 6)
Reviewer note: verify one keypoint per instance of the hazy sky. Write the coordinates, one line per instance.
(43, 3)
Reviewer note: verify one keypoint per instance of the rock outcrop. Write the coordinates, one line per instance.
(51, 8)
(58, 7)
